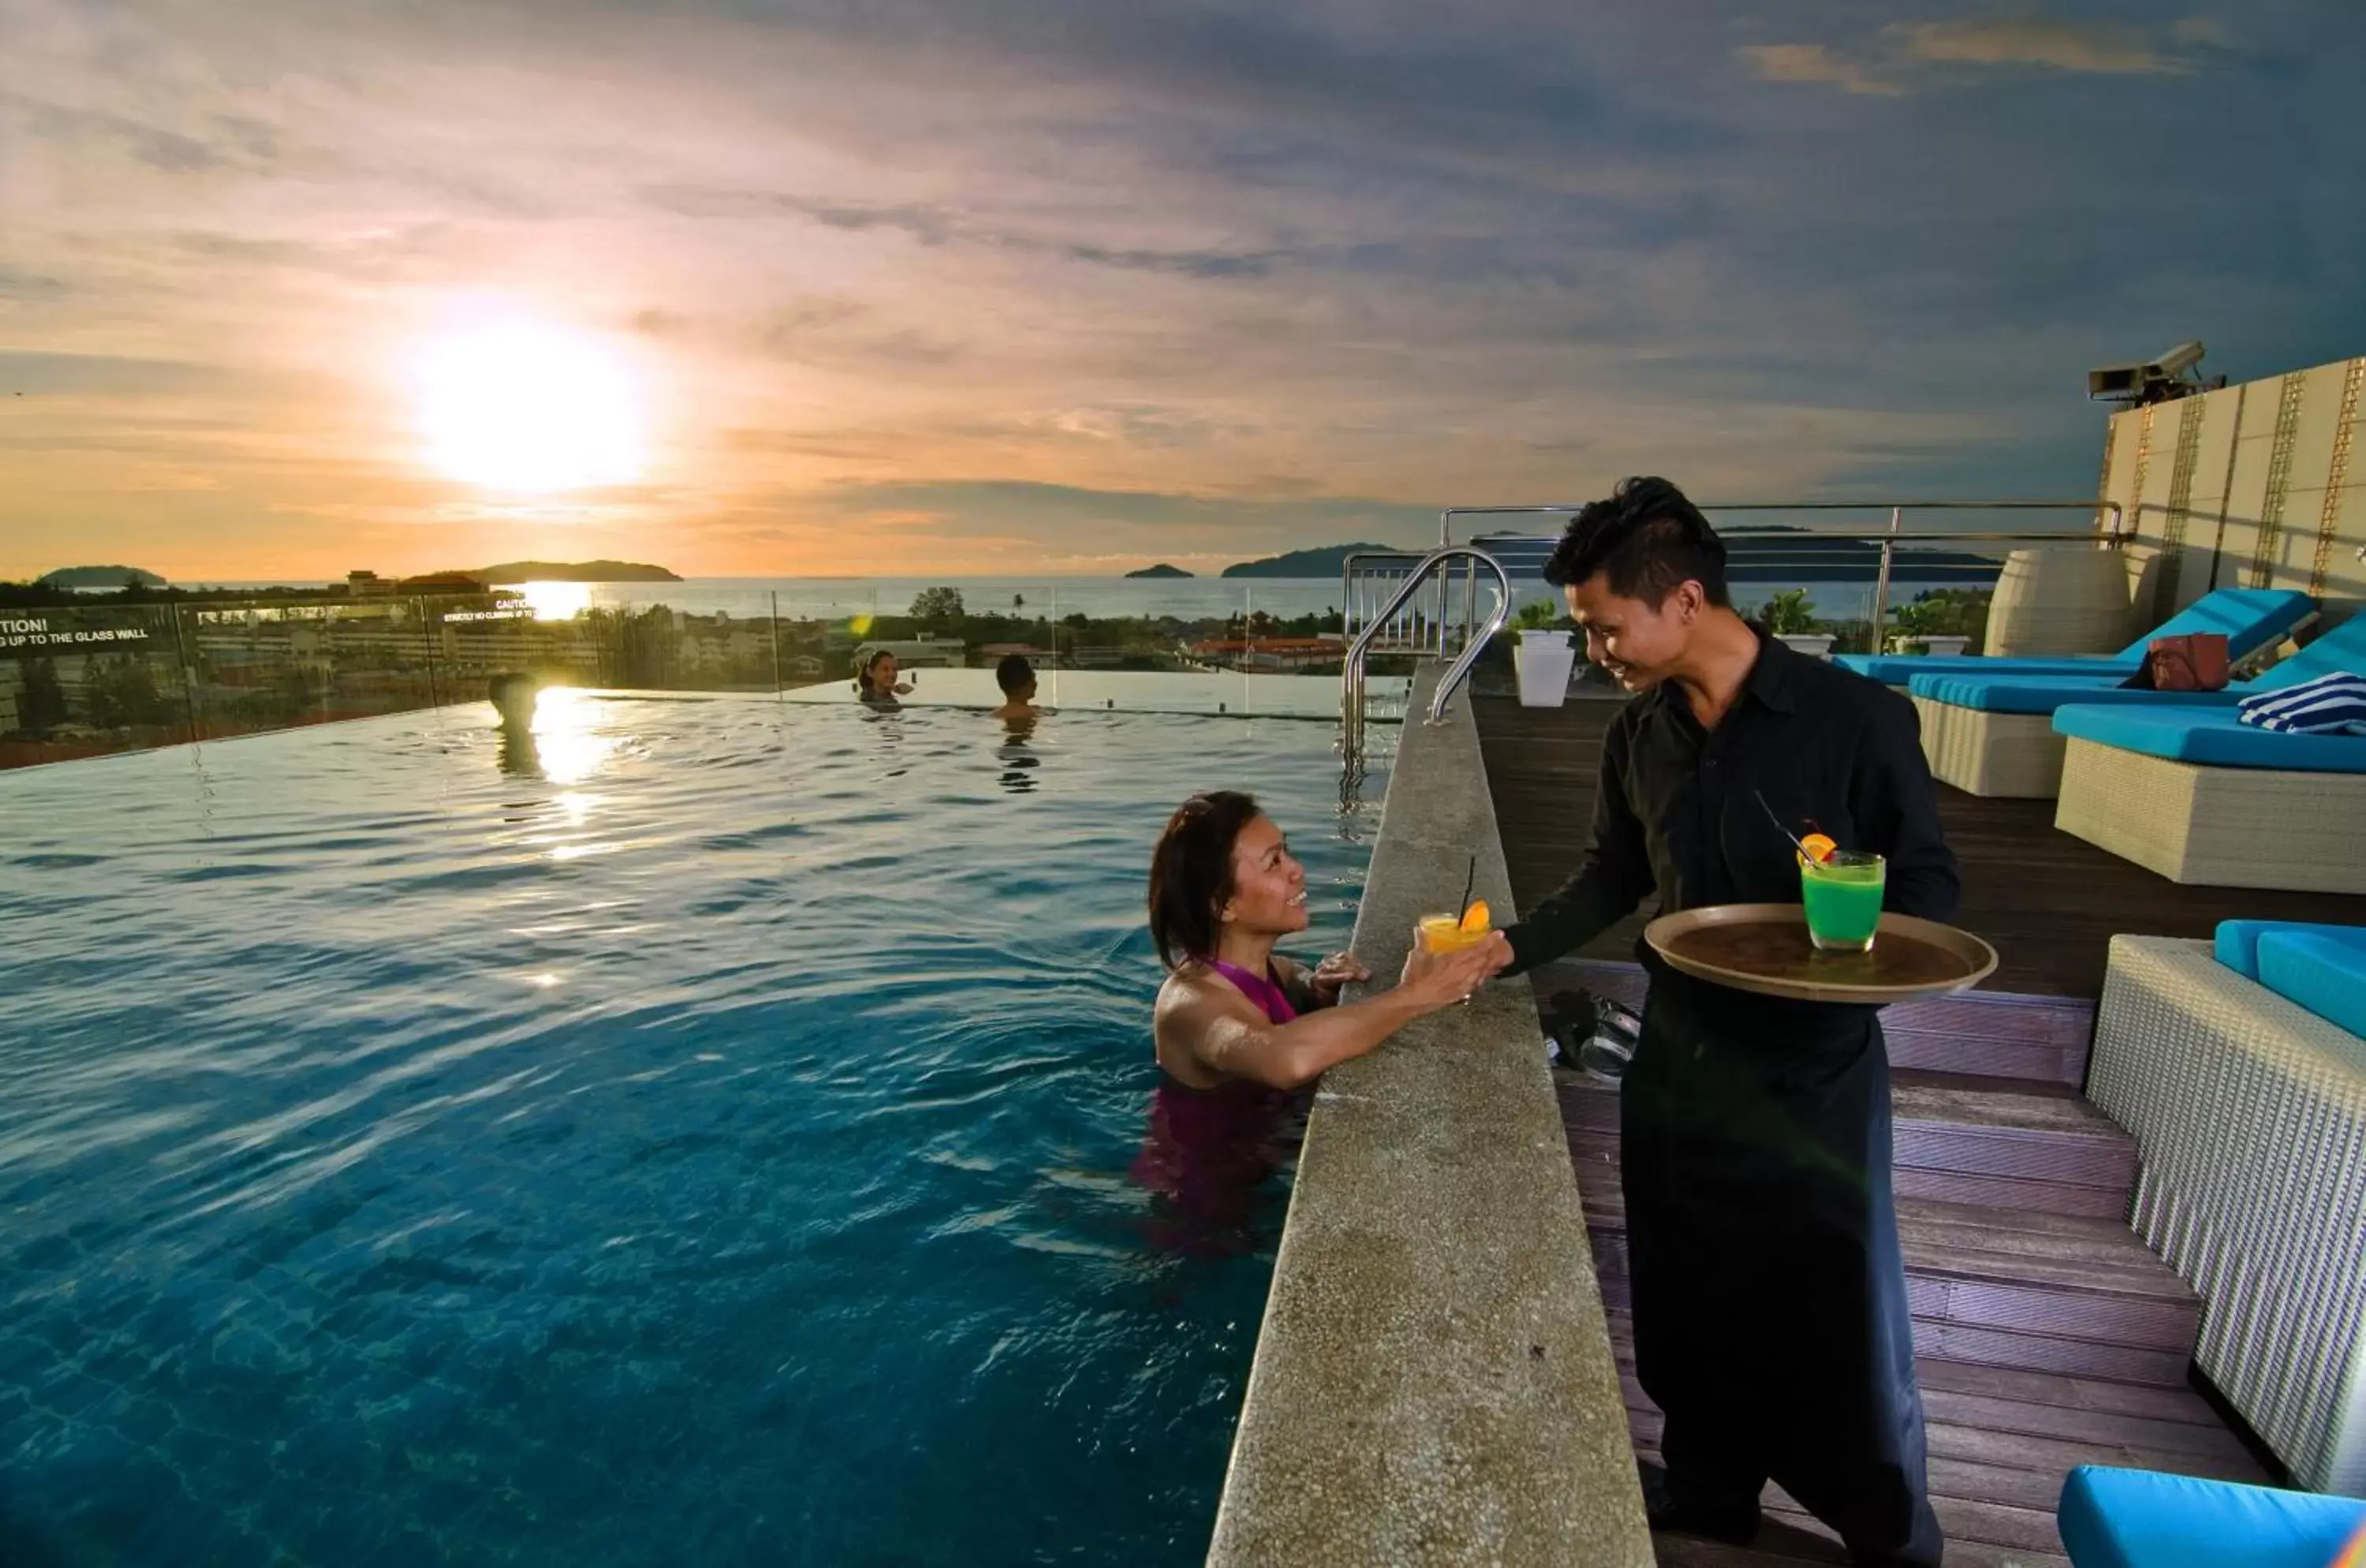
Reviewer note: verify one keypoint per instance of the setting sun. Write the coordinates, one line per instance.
(519, 406)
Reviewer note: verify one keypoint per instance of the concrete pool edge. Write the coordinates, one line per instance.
(1434, 1379)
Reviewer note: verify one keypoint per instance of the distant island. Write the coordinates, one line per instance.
(1161, 569)
(98, 577)
(574, 571)
(1328, 561)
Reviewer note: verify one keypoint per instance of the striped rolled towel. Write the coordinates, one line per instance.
(2330, 704)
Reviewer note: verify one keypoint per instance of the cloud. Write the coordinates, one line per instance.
(1814, 63)
(1909, 55)
(2092, 47)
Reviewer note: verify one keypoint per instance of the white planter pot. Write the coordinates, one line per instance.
(1815, 644)
(1945, 647)
(1542, 661)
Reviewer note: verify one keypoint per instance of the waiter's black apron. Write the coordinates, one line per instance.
(1771, 1318)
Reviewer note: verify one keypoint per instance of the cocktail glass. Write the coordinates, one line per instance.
(1843, 894)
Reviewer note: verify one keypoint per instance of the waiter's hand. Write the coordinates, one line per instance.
(1498, 950)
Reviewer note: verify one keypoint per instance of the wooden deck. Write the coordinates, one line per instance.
(2048, 1337)
(2048, 902)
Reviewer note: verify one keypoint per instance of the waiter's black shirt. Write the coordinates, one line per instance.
(1677, 810)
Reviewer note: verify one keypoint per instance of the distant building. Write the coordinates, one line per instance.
(1096, 658)
(368, 585)
(1269, 652)
(991, 651)
(804, 664)
(923, 652)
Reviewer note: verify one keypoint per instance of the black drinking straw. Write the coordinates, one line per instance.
(1467, 883)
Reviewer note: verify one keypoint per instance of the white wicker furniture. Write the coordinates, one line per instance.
(2215, 826)
(2249, 1115)
(1990, 753)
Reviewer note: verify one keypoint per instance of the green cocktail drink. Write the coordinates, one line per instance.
(1842, 893)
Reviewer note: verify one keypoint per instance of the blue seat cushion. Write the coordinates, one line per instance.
(2138, 1518)
(1991, 693)
(2214, 737)
(1898, 668)
(2238, 944)
(2323, 972)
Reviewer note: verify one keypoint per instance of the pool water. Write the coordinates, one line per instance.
(702, 1140)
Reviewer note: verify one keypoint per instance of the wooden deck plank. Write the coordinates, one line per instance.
(2050, 903)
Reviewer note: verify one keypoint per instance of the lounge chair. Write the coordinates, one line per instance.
(2250, 618)
(1993, 735)
(2205, 800)
(2240, 1072)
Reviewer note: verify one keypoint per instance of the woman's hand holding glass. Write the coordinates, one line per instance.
(1433, 980)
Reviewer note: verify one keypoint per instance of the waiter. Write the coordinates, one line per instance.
(1770, 1308)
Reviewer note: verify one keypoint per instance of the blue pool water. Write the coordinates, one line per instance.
(710, 1149)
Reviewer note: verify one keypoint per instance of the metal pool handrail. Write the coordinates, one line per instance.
(1888, 538)
(1351, 681)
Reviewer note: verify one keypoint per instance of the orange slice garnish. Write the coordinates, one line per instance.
(1474, 919)
(1818, 847)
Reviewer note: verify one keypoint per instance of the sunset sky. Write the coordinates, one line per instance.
(1069, 286)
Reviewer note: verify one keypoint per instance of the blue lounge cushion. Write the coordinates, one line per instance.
(2250, 618)
(2342, 646)
(2237, 943)
(2140, 1518)
(2323, 972)
(2214, 737)
(2009, 694)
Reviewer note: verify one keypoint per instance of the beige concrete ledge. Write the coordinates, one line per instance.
(1434, 1381)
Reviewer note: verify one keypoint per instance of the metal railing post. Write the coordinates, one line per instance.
(1881, 580)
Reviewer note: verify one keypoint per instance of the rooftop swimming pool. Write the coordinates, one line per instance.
(700, 1139)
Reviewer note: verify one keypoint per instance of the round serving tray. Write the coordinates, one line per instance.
(1764, 948)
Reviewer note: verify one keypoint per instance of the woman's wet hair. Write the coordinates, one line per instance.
(1191, 873)
(1646, 539)
(1012, 674)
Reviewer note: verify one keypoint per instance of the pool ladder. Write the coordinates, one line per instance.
(1406, 622)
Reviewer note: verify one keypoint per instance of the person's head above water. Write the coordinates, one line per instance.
(512, 696)
(1016, 677)
(1221, 865)
(1643, 573)
(877, 675)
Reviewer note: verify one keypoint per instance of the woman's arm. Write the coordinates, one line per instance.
(1223, 1030)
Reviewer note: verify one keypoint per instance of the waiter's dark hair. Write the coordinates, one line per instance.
(1646, 538)
(1191, 871)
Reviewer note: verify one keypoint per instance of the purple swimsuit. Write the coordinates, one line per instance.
(1210, 1149)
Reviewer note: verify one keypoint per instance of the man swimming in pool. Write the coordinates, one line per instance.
(1017, 679)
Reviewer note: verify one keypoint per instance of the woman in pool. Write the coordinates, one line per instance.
(1241, 1032)
(876, 682)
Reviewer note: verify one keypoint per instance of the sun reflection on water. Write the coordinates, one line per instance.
(568, 737)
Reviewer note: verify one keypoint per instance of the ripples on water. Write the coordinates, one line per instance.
(710, 1150)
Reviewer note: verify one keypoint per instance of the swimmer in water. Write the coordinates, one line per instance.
(1241, 1032)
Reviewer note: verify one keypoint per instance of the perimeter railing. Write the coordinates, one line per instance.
(2108, 518)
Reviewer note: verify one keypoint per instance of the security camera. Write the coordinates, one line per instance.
(2174, 362)
(2114, 382)
(2151, 380)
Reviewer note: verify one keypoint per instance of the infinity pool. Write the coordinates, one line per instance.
(702, 1141)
